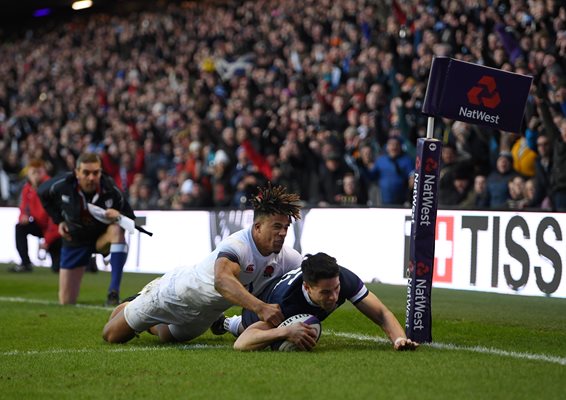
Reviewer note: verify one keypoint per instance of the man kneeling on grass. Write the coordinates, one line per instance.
(318, 287)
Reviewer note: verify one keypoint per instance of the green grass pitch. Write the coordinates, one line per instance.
(486, 346)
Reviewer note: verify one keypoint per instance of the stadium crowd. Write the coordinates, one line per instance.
(194, 105)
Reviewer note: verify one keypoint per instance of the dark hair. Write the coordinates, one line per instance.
(319, 266)
(86, 158)
(274, 200)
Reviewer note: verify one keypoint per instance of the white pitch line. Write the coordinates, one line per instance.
(355, 336)
(51, 303)
(473, 349)
(113, 350)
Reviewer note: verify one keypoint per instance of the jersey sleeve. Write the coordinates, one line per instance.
(354, 289)
(229, 255)
(233, 250)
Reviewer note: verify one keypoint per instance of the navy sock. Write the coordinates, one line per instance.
(118, 256)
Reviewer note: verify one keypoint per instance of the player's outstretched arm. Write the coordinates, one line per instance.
(375, 310)
(226, 282)
(261, 334)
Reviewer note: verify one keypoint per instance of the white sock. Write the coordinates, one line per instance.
(232, 324)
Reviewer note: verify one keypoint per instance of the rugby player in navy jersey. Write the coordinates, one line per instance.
(318, 287)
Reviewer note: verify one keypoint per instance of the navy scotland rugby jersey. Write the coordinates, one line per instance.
(289, 294)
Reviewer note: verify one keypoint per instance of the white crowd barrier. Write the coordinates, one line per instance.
(502, 252)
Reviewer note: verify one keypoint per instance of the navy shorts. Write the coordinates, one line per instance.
(73, 257)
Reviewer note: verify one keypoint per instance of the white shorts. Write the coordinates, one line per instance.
(188, 316)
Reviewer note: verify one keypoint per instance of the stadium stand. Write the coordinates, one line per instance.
(193, 104)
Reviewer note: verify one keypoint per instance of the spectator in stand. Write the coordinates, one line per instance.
(524, 153)
(480, 196)
(260, 162)
(144, 197)
(350, 194)
(287, 172)
(543, 166)
(229, 145)
(221, 188)
(198, 198)
(365, 161)
(336, 119)
(127, 170)
(458, 194)
(153, 160)
(472, 146)
(517, 200)
(166, 187)
(243, 168)
(498, 181)
(35, 221)
(529, 193)
(448, 162)
(331, 174)
(393, 171)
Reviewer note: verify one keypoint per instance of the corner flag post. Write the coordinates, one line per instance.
(462, 91)
(418, 322)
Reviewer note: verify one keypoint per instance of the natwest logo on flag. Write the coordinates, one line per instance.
(485, 93)
(476, 94)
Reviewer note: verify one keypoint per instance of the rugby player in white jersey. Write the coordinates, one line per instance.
(183, 303)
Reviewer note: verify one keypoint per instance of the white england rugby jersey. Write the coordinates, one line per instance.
(195, 285)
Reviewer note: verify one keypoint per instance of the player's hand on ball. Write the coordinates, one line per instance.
(271, 313)
(302, 335)
(402, 344)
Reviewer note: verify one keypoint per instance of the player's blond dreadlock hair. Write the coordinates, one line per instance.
(272, 200)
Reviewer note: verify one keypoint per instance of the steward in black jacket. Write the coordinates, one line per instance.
(66, 200)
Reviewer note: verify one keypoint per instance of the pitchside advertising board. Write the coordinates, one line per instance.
(516, 253)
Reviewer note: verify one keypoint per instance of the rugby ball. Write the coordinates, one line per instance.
(285, 345)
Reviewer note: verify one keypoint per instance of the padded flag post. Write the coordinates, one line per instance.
(418, 322)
